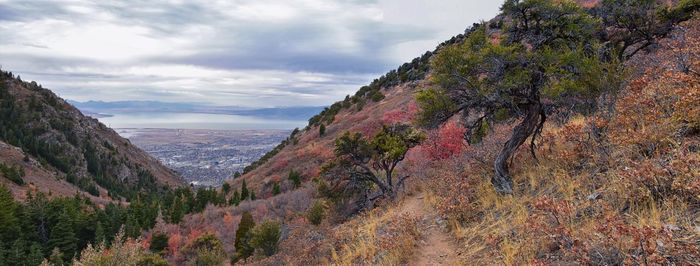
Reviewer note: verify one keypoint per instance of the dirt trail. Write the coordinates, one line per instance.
(436, 248)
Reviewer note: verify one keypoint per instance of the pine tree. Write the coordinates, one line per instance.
(132, 227)
(226, 188)
(159, 242)
(35, 256)
(252, 195)
(63, 238)
(9, 224)
(235, 199)
(244, 191)
(99, 233)
(243, 235)
(16, 254)
(322, 130)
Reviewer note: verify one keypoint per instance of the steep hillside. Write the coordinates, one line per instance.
(62, 151)
(611, 185)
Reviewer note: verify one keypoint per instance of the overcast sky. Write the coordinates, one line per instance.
(258, 53)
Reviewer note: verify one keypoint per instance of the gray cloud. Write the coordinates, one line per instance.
(240, 52)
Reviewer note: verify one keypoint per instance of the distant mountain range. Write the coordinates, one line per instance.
(102, 108)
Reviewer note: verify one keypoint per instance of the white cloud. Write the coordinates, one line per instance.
(241, 52)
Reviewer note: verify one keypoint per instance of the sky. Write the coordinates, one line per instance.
(253, 53)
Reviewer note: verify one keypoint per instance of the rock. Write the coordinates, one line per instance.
(594, 196)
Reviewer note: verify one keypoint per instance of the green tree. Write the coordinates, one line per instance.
(36, 255)
(244, 191)
(374, 160)
(17, 252)
(252, 195)
(9, 223)
(322, 130)
(276, 189)
(226, 188)
(243, 236)
(99, 233)
(266, 236)
(548, 58)
(235, 198)
(63, 238)
(159, 242)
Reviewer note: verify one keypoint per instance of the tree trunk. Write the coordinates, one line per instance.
(502, 180)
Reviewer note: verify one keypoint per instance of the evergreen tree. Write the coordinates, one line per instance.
(99, 233)
(16, 254)
(63, 238)
(9, 224)
(252, 195)
(322, 130)
(35, 256)
(235, 199)
(159, 242)
(226, 188)
(132, 228)
(244, 191)
(243, 236)
(176, 211)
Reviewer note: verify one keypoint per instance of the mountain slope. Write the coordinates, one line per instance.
(57, 140)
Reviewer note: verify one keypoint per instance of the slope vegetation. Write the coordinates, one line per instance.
(58, 145)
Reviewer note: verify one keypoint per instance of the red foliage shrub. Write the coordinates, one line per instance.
(446, 142)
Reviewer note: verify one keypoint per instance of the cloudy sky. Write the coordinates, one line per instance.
(257, 53)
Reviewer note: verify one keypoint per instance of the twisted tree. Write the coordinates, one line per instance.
(373, 161)
(547, 58)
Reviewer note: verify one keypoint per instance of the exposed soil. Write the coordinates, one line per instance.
(436, 247)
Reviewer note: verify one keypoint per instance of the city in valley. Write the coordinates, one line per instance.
(205, 157)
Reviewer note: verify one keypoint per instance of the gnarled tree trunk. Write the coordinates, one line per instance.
(502, 181)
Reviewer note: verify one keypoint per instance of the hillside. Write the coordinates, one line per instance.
(608, 185)
(557, 133)
(61, 151)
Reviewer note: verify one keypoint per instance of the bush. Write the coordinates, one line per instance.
(152, 260)
(295, 177)
(266, 236)
(13, 173)
(205, 250)
(316, 213)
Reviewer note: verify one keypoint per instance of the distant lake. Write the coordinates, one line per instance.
(196, 121)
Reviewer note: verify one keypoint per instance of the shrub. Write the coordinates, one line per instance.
(276, 189)
(322, 130)
(205, 250)
(152, 260)
(266, 236)
(295, 177)
(316, 213)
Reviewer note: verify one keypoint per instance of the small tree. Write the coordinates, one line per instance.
(244, 191)
(322, 130)
(226, 188)
(266, 236)
(374, 160)
(159, 242)
(243, 235)
(205, 250)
